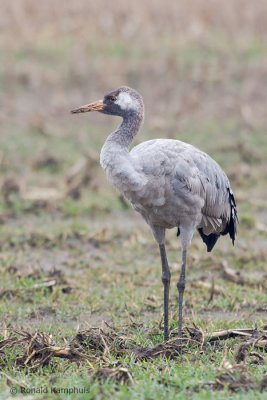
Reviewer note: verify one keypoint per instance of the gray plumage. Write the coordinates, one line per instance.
(170, 183)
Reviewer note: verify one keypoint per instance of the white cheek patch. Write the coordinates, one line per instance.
(126, 102)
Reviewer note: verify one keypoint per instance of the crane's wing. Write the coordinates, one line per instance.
(195, 178)
(205, 178)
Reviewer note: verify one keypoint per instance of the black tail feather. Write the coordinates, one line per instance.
(231, 226)
(209, 240)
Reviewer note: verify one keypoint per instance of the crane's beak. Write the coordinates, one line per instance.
(95, 106)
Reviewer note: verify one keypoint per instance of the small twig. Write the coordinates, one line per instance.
(106, 348)
(256, 354)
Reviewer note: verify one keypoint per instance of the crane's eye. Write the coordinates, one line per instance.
(112, 98)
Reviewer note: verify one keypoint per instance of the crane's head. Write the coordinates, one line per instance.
(121, 102)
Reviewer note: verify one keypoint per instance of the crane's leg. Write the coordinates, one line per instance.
(181, 287)
(166, 278)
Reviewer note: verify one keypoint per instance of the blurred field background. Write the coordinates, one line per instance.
(72, 252)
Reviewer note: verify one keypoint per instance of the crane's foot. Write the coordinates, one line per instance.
(179, 332)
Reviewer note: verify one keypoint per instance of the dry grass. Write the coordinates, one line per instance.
(95, 345)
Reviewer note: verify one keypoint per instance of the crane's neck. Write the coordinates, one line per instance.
(124, 134)
(117, 144)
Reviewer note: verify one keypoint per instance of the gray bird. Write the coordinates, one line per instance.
(170, 183)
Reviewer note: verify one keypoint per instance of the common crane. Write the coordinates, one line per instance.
(172, 184)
